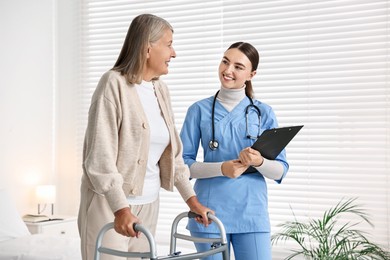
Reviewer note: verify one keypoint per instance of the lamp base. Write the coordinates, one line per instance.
(44, 207)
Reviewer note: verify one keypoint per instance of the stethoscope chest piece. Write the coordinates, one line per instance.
(213, 144)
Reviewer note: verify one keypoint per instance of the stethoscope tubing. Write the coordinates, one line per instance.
(214, 144)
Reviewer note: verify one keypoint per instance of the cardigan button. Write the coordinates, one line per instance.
(144, 125)
(140, 161)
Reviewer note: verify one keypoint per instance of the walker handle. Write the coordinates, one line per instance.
(136, 227)
(194, 215)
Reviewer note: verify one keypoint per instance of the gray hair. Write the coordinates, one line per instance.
(143, 30)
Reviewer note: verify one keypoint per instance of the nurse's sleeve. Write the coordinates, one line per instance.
(203, 170)
(271, 169)
(190, 136)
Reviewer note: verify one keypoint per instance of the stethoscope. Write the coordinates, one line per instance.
(213, 144)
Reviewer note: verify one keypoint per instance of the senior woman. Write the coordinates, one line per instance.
(131, 146)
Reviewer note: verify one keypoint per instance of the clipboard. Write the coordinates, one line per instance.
(272, 141)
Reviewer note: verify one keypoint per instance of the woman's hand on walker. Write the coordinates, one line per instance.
(198, 208)
(124, 222)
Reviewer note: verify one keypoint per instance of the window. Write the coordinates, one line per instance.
(324, 64)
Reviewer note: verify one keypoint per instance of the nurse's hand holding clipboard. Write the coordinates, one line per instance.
(235, 168)
(250, 157)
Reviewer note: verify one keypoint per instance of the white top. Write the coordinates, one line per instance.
(159, 139)
(229, 98)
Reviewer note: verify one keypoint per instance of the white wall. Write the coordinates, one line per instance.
(36, 101)
(68, 155)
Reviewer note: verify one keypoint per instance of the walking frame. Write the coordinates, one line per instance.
(218, 244)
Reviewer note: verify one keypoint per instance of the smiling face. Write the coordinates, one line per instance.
(159, 55)
(235, 69)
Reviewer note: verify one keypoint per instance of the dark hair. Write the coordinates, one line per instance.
(253, 56)
(143, 30)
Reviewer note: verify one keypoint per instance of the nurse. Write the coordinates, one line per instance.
(226, 125)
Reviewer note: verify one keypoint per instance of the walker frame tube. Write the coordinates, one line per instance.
(220, 243)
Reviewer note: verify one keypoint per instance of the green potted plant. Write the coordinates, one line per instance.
(327, 239)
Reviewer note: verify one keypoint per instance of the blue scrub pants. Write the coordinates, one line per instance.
(253, 246)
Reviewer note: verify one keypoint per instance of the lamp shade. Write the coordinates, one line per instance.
(46, 193)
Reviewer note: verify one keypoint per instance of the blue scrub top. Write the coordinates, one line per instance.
(240, 203)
